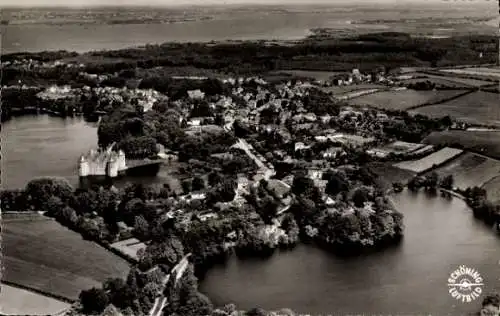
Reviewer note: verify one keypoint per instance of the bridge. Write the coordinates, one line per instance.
(176, 273)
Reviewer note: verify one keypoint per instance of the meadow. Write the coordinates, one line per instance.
(316, 75)
(404, 99)
(490, 73)
(16, 301)
(389, 174)
(430, 161)
(486, 143)
(470, 170)
(40, 254)
(437, 81)
(454, 79)
(476, 108)
(492, 188)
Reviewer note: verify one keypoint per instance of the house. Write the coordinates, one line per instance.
(314, 174)
(382, 117)
(207, 216)
(195, 121)
(310, 117)
(332, 152)
(278, 188)
(321, 139)
(301, 146)
(196, 94)
(325, 118)
(329, 202)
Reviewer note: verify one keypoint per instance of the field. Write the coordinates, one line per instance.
(16, 301)
(403, 99)
(352, 88)
(426, 163)
(479, 71)
(487, 143)
(129, 247)
(438, 82)
(388, 174)
(397, 147)
(476, 108)
(470, 170)
(317, 75)
(40, 254)
(493, 189)
(454, 79)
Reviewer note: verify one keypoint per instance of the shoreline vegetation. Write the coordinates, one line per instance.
(217, 210)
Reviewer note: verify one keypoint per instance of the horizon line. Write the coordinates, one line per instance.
(257, 3)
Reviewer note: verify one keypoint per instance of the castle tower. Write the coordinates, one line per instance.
(112, 167)
(83, 167)
(122, 161)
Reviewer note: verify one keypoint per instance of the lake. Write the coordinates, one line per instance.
(39, 146)
(72, 31)
(412, 278)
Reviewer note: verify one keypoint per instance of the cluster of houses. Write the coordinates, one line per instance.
(30, 64)
(108, 95)
(355, 77)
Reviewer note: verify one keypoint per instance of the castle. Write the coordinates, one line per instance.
(99, 162)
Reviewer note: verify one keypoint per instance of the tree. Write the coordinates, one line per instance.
(41, 189)
(54, 206)
(447, 182)
(94, 301)
(187, 186)
(431, 181)
(360, 196)
(198, 184)
(141, 228)
(336, 184)
(214, 178)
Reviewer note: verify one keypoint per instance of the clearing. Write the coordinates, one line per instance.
(470, 170)
(430, 161)
(41, 254)
(404, 99)
(476, 108)
(16, 301)
(484, 142)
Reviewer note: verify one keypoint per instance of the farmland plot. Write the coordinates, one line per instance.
(30, 247)
(470, 170)
(457, 80)
(16, 301)
(317, 75)
(486, 143)
(426, 163)
(479, 71)
(339, 90)
(404, 99)
(476, 108)
(492, 188)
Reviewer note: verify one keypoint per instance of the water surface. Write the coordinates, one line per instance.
(408, 280)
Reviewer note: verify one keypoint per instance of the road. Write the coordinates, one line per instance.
(245, 146)
(161, 301)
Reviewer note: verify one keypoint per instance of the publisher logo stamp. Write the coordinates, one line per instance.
(465, 284)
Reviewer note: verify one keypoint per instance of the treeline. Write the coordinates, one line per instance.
(364, 52)
(413, 128)
(477, 199)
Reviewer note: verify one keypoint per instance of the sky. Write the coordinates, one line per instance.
(80, 3)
